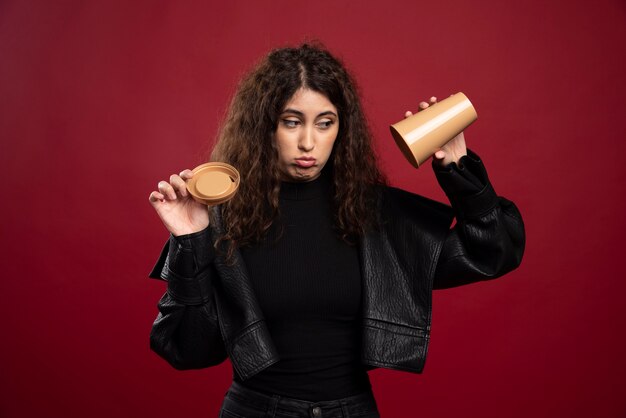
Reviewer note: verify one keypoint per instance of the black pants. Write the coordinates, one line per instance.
(241, 402)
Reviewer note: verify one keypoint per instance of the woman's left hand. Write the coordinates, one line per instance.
(453, 150)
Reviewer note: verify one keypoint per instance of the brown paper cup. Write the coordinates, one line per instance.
(421, 135)
(213, 183)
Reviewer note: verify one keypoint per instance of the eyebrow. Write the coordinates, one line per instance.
(297, 112)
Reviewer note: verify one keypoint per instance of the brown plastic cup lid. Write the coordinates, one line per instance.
(213, 183)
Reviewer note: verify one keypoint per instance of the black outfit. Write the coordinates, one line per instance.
(306, 315)
(240, 401)
(308, 284)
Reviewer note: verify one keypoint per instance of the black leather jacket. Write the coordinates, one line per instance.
(210, 311)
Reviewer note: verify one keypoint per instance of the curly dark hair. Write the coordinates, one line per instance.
(246, 141)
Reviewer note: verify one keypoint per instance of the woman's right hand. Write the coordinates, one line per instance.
(180, 213)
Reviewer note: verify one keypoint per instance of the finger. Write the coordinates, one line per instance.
(186, 174)
(423, 105)
(156, 197)
(178, 184)
(433, 100)
(440, 155)
(167, 190)
(407, 113)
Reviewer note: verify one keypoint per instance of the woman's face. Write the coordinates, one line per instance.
(306, 132)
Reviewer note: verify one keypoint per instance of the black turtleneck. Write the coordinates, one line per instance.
(308, 284)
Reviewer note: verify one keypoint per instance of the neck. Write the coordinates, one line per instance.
(305, 190)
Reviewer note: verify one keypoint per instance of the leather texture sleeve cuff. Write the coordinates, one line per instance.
(190, 290)
(191, 253)
(467, 186)
(185, 263)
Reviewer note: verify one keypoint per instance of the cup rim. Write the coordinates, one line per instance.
(215, 167)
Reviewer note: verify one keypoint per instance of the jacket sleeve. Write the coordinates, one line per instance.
(186, 330)
(488, 238)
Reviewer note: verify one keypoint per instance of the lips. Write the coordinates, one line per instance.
(306, 162)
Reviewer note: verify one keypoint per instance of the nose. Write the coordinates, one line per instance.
(306, 142)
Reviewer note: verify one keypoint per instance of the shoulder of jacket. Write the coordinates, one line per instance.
(395, 200)
(403, 212)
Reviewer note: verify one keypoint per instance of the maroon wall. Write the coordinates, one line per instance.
(101, 100)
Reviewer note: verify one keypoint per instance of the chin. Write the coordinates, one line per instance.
(304, 176)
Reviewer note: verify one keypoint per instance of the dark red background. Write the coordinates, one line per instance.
(101, 100)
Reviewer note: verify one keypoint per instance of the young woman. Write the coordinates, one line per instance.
(316, 271)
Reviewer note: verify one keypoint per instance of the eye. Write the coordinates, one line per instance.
(325, 124)
(291, 123)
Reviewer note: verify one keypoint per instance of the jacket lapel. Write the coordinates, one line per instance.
(246, 337)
